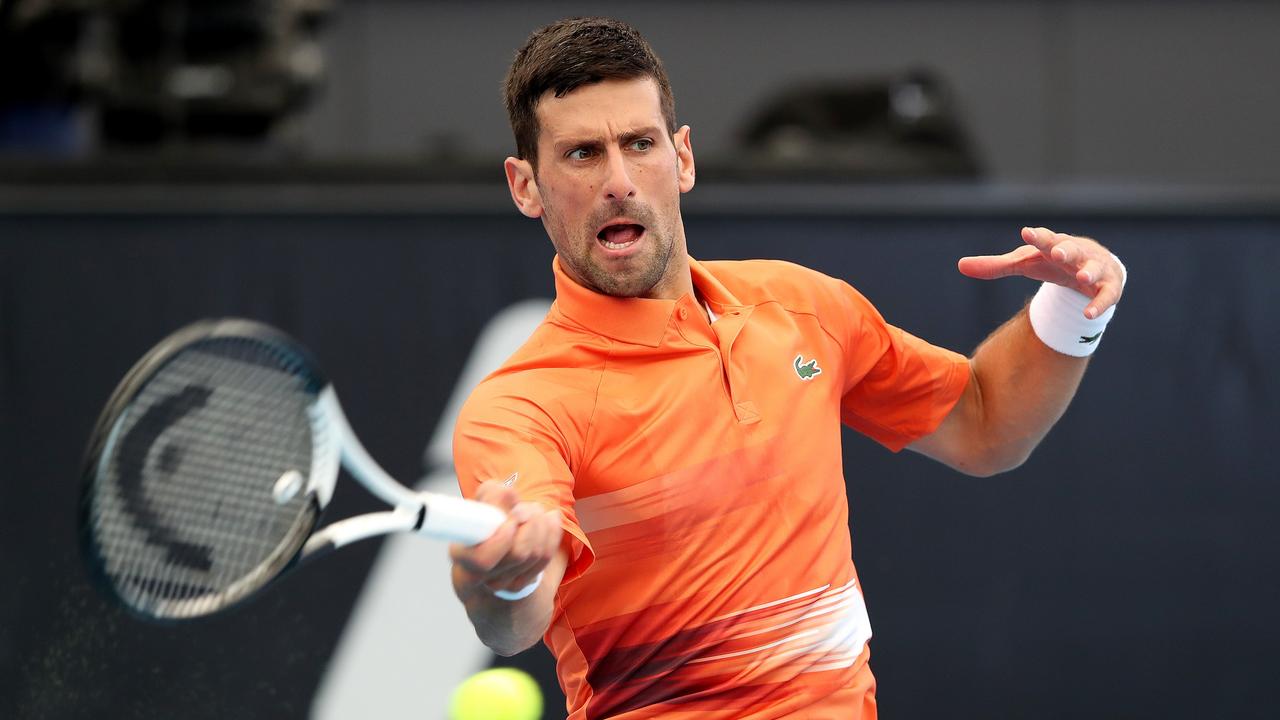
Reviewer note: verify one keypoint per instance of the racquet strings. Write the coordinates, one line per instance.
(182, 515)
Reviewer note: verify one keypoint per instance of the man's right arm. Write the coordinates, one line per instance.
(527, 545)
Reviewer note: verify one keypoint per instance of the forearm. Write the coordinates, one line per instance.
(510, 626)
(507, 627)
(1022, 388)
(524, 550)
(1019, 385)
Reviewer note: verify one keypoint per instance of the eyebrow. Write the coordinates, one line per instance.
(624, 137)
(630, 135)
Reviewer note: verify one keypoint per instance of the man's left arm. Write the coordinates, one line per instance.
(1018, 384)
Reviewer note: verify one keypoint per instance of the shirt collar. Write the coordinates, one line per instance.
(640, 321)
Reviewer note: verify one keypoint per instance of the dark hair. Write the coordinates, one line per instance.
(574, 52)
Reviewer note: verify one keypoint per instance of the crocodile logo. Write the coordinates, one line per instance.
(1091, 339)
(806, 370)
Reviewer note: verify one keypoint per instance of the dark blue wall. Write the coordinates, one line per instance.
(1128, 569)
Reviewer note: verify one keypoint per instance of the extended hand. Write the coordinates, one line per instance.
(1079, 263)
(516, 552)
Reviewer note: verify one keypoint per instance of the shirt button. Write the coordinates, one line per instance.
(683, 313)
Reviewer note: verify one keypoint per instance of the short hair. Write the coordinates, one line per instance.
(571, 53)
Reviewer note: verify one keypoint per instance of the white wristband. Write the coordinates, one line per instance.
(1057, 316)
(520, 594)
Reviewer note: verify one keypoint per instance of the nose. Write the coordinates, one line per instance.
(617, 182)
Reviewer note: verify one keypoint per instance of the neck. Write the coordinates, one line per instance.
(678, 279)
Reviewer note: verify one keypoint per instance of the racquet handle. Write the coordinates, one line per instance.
(458, 520)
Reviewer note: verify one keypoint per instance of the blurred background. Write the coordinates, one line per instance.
(333, 167)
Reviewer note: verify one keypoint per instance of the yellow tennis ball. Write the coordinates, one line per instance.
(497, 694)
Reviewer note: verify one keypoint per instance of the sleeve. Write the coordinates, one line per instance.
(898, 388)
(502, 436)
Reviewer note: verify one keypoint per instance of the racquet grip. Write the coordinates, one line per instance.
(458, 520)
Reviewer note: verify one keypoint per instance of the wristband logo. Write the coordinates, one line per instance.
(1091, 339)
(806, 371)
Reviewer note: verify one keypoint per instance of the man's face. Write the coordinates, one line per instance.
(607, 188)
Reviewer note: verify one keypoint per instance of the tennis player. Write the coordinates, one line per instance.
(667, 443)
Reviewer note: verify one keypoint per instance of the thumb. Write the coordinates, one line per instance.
(991, 267)
(497, 494)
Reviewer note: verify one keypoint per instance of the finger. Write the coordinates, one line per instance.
(537, 540)
(1041, 238)
(1066, 251)
(525, 549)
(986, 267)
(1089, 273)
(525, 580)
(555, 519)
(544, 536)
(551, 534)
(1108, 295)
(991, 267)
(497, 494)
(513, 578)
(484, 557)
(505, 575)
(524, 512)
(548, 532)
(524, 552)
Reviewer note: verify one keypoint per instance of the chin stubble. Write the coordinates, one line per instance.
(654, 267)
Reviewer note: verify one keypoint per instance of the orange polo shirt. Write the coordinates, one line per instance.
(698, 467)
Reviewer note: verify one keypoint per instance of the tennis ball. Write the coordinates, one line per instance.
(497, 694)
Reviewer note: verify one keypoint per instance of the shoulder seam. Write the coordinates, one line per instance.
(821, 324)
(595, 404)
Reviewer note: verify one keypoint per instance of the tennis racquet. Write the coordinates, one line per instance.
(209, 468)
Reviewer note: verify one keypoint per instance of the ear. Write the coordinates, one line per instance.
(684, 158)
(524, 187)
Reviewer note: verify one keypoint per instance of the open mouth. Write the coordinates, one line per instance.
(619, 236)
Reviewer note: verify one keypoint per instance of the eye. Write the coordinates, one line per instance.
(578, 154)
(643, 144)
